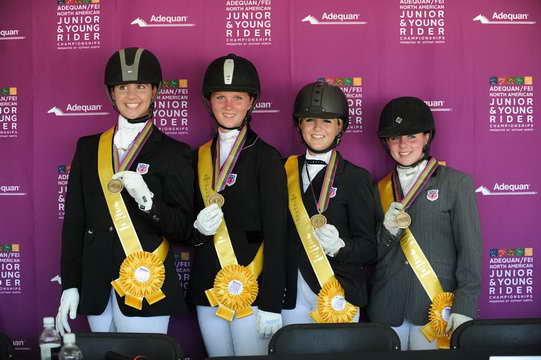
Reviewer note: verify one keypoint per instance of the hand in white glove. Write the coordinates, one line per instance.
(267, 323)
(389, 221)
(137, 188)
(329, 238)
(209, 219)
(68, 303)
(455, 320)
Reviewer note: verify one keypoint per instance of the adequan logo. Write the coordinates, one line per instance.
(163, 21)
(504, 189)
(334, 19)
(78, 110)
(502, 18)
(264, 107)
(438, 105)
(11, 34)
(11, 190)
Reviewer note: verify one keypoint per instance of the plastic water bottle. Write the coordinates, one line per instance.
(49, 340)
(70, 350)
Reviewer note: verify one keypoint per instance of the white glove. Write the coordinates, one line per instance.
(389, 221)
(137, 188)
(267, 323)
(455, 320)
(209, 219)
(68, 303)
(329, 238)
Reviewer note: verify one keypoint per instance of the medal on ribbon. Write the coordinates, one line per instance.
(115, 185)
(318, 220)
(223, 173)
(403, 219)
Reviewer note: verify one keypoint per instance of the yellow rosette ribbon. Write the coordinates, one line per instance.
(141, 277)
(235, 289)
(332, 306)
(438, 314)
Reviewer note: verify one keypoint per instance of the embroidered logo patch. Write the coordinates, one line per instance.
(432, 195)
(231, 179)
(142, 168)
(332, 193)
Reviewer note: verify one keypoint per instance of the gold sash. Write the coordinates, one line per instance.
(332, 306)
(142, 273)
(235, 286)
(441, 301)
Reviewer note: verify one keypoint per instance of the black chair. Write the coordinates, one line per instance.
(497, 334)
(154, 346)
(333, 338)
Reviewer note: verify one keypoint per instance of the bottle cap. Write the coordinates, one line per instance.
(69, 338)
(48, 321)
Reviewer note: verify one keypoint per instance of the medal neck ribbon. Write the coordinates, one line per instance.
(134, 149)
(330, 173)
(418, 186)
(222, 173)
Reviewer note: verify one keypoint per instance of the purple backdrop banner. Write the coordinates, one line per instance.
(476, 64)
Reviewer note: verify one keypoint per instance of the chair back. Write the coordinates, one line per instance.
(333, 338)
(497, 334)
(154, 346)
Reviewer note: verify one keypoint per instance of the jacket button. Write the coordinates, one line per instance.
(406, 262)
(155, 218)
(110, 229)
(90, 231)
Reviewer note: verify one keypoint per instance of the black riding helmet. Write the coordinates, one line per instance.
(407, 116)
(322, 100)
(133, 66)
(232, 73)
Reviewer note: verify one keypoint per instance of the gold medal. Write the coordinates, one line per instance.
(115, 186)
(216, 198)
(318, 220)
(403, 220)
